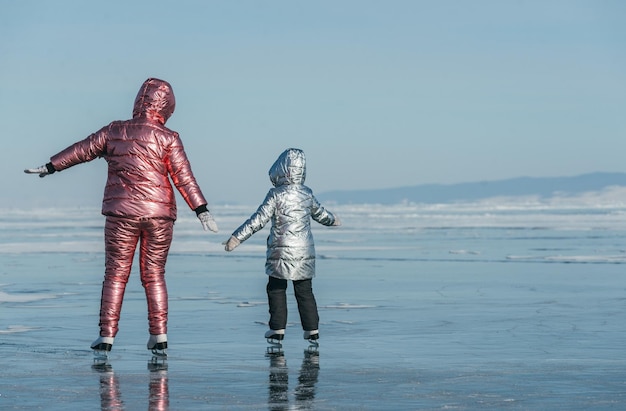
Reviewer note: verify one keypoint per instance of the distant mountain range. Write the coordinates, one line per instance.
(542, 187)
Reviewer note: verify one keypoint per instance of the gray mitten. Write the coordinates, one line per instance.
(43, 171)
(231, 244)
(208, 223)
(337, 221)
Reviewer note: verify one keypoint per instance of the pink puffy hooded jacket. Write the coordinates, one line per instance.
(142, 155)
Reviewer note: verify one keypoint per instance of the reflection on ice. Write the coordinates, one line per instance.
(278, 385)
(111, 397)
(110, 393)
(159, 396)
(309, 371)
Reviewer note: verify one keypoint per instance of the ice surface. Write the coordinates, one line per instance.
(465, 307)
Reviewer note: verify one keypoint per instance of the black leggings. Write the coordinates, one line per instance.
(277, 298)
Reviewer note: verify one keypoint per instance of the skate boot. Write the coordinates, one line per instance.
(274, 338)
(101, 348)
(313, 338)
(158, 345)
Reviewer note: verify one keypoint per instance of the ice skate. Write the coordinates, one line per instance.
(101, 349)
(274, 338)
(157, 344)
(313, 338)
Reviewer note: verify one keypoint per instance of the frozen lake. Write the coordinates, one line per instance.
(478, 306)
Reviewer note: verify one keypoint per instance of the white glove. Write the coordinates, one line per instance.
(337, 221)
(231, 244)
(41, 170)
(208, 223)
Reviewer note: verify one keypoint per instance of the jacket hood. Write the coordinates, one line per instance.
(289, 168)
(155, 100)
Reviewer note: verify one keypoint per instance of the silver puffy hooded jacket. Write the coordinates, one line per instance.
(143, 155)
(290, 205)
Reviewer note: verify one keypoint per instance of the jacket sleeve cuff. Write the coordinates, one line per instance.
(201, 209)
(50, 168)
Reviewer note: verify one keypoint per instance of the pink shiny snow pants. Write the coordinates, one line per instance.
(121, 236)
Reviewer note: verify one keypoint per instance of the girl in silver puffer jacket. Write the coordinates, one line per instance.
(290, 205)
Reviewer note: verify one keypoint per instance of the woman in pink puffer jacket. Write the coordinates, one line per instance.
(139, 204)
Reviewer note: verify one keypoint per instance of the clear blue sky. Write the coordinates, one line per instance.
(377, 93)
